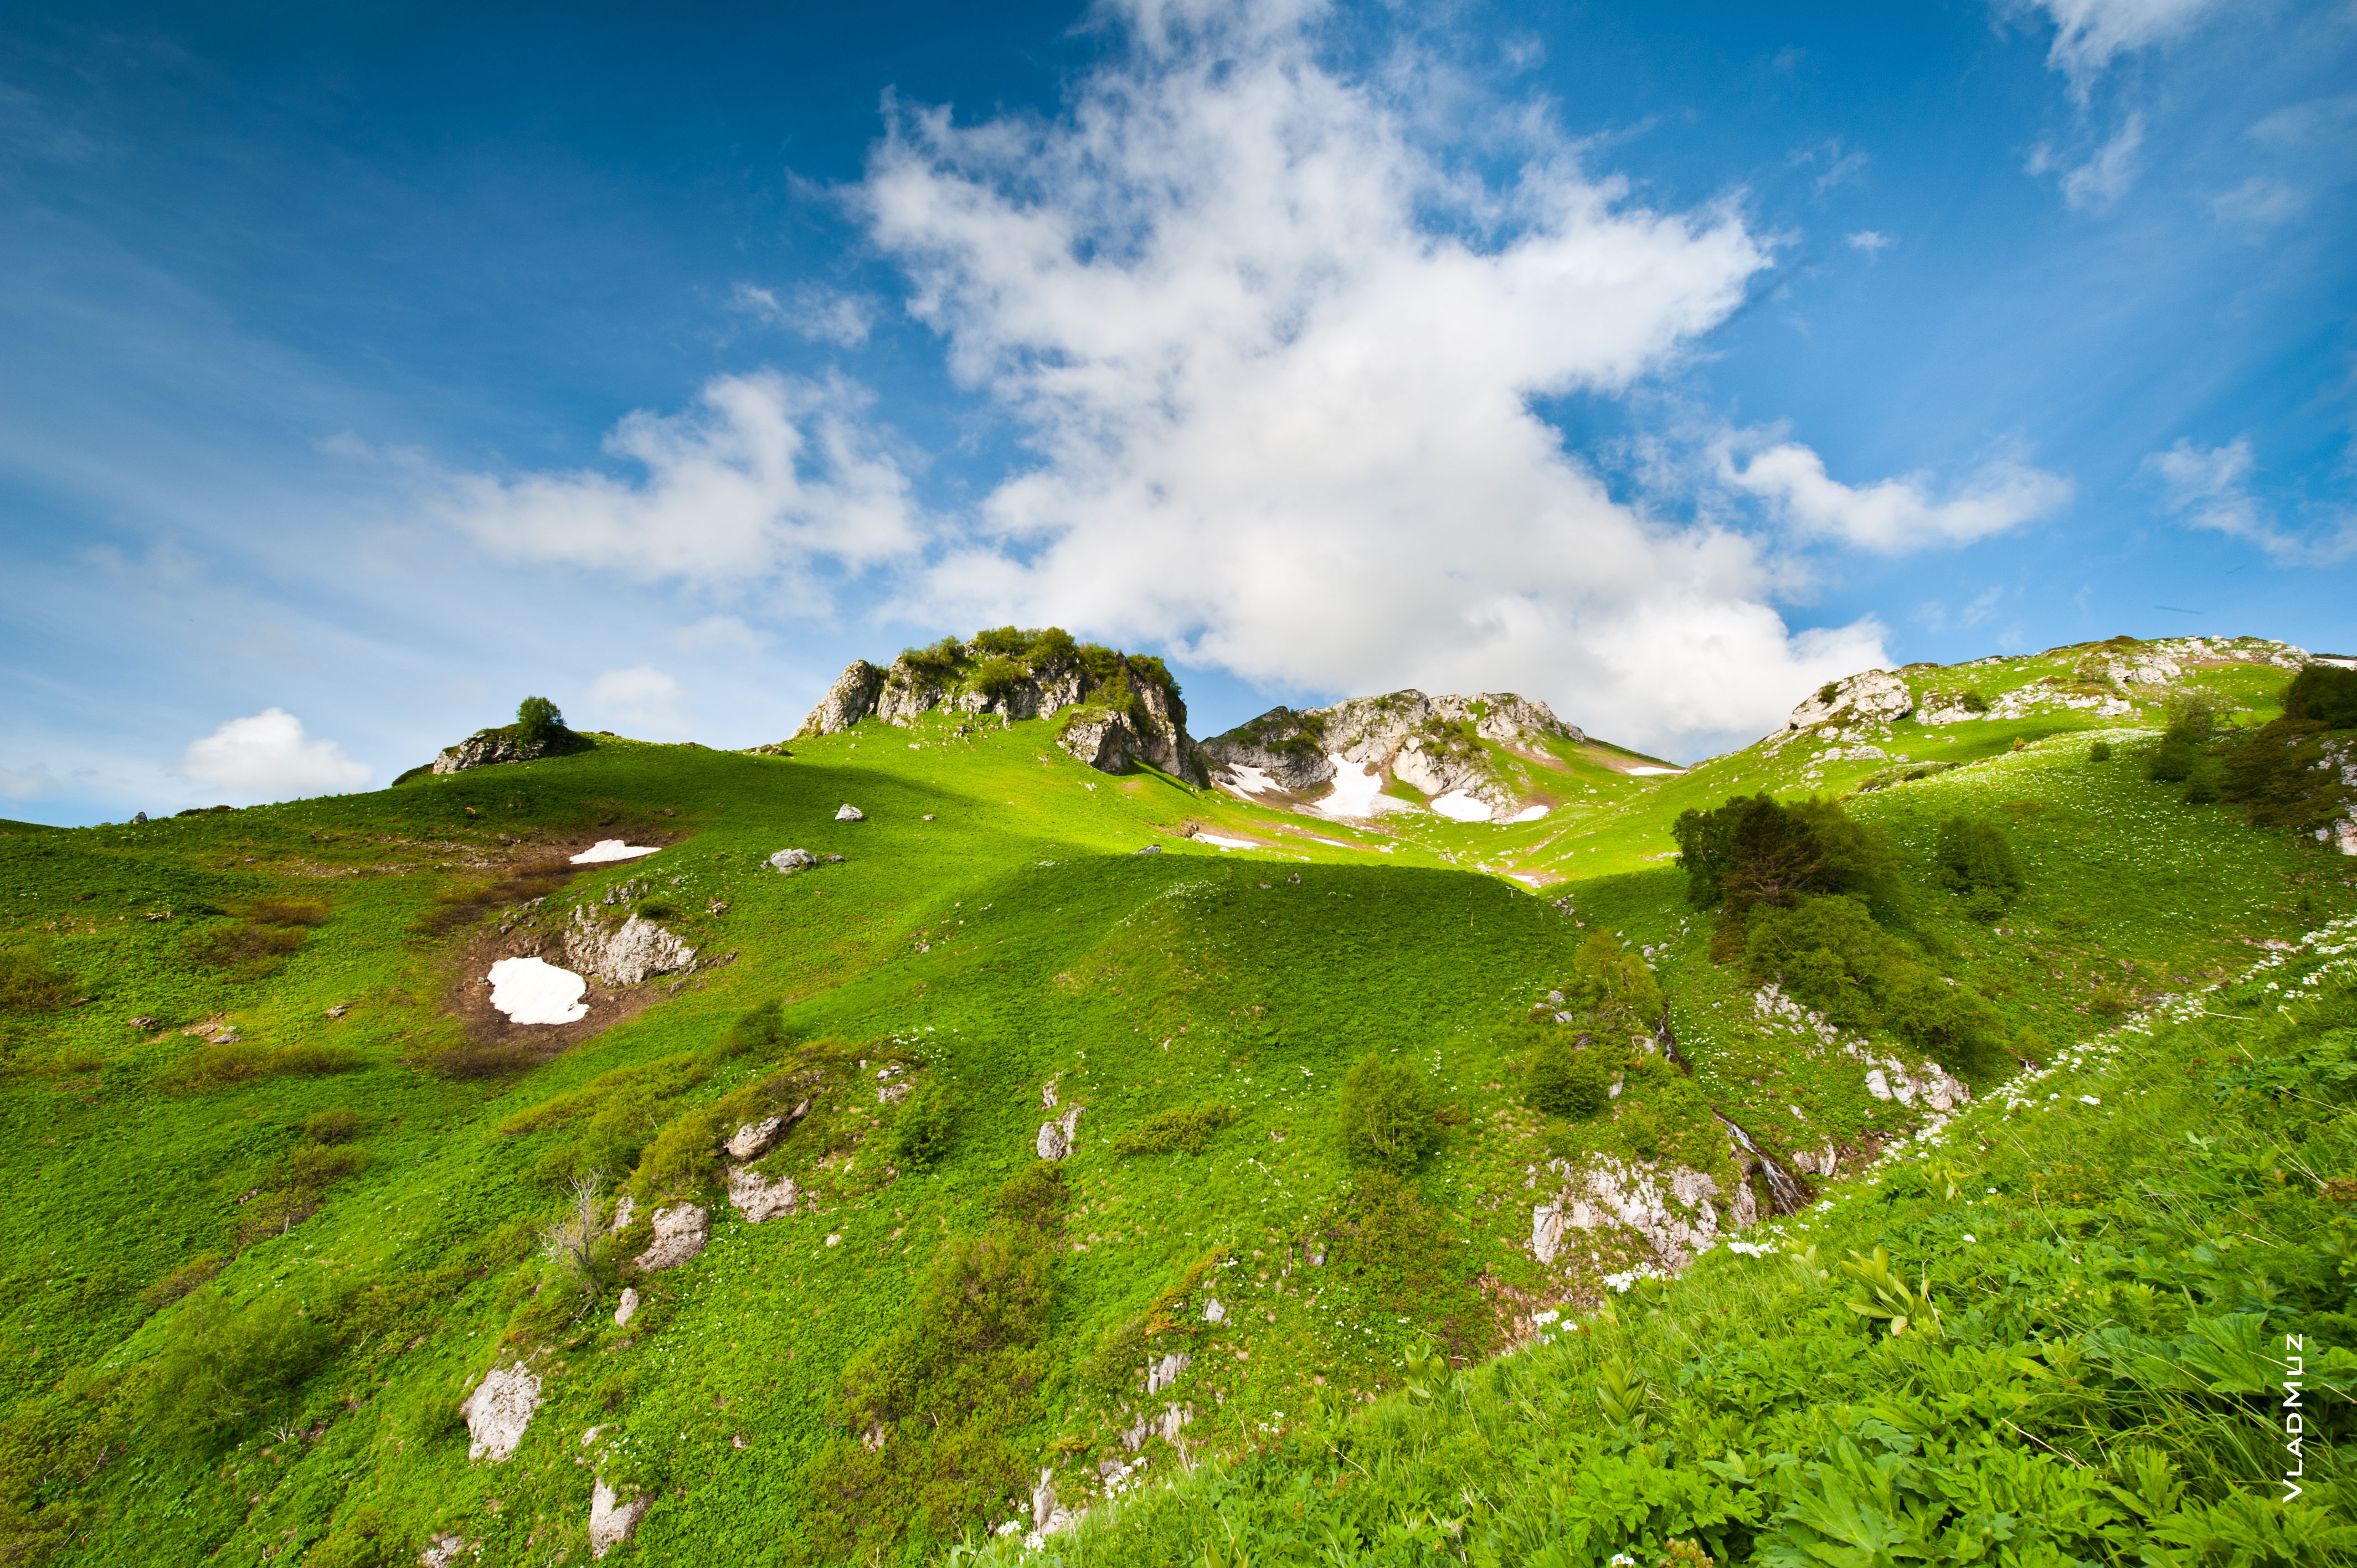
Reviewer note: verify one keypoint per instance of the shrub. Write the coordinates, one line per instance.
(656, 909)
(1189, 1129)
(998, 677)
(927, 1126)
(27, 982)
(2322, 694)
(1387, 1114)
(1612, 987)
(362, 1541)
(538, 723)
(1566, 1080)
(181, 1281)
(1003, 640)
(1973, 702)
(1829, 954)
(1052, 646)
(246, 951)
(940, 660)
(2283, 776)
(332, 1126)
(2101, 751)
(224, 1368)
(1976, 858)
(1759, 851)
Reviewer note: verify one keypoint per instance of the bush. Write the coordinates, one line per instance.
(656, 908)
(998, 677)
(332, 1126)
(1612, 988)
(246, 951)
(940, 660)
(1003, 640)
(2322, 694)
(1387, 1114)
(927, 1127)
(1566, 1080)
(538, 723)
(1830, 955)
(2101, 751)
(1052, 646)
(362, 1541)
(27, 982)
(224, 1368)
(2193, 712)
(1189, 1129)
(1976, 858)
(2172, 760)
(1761, 852)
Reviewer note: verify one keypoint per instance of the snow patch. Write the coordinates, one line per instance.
(612, 849)
(1226, 842)
(534, 990)
(1529, 814)
(1358, 792)
(1461, 806)
(1653, 772)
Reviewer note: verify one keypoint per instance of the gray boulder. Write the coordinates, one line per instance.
(849, 813)
(681, 1232)
(612, 1519)
(625, 954)
(487, 748)
(1875, 696)
(500, 1410)
(849, 700)
(792, 860)
(757, 1198)
(1055, 1141)
(626, 1308)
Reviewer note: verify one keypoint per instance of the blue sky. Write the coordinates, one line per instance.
(366, 368)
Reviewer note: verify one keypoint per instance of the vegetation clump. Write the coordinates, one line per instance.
(1762, 852)
(1829, 953)
(1389, 1115)
(1187, 1130)
(2288, 774)
(1975, 859)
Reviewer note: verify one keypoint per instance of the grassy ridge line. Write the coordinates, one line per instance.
(2050, 1331)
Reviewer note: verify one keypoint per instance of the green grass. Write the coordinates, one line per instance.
(166, 1199)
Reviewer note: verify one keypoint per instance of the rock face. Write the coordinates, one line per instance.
(1055, 1139)
(1166, 1371)
(624, 954)
(1672, 1209)
(612, 1520)
(849, 700)
(488, 746)
(1431, 742)
(1876, 696)
(500, 1410)
(444, 1551)
(681, 1232)
(757, 1198)
(1135, 715)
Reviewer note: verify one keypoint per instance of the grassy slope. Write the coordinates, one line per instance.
(1011, 939)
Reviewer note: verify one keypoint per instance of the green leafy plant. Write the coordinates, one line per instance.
(1387, 1114)
(222, 1368)
(1187, 1129)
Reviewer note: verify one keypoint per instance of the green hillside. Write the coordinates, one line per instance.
(281, 1187)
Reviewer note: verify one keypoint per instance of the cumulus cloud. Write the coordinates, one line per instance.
(1892, 516)
(640, 694)
(821, 314)
(1274, 358)
(2089, 34)
(270, 755)
(2211, 487)
(767, 475)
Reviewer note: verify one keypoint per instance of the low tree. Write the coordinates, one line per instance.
(539, 723)
(1758, 851)
(1388, 1113)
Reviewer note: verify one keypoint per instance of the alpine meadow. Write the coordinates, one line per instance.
(991, 1126)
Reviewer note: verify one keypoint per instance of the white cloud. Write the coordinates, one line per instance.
(2091, 34)
(1872, 242)
(2259, 202)
(269, 755)
(640, 694)
(2211, 489)
(2094, 184)
(821, 314)
(767, 474)
(1893, 516)
(1274, 356)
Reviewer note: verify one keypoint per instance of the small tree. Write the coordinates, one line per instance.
(1387, 1114)
(1568, 1082)
(571, 1240)
(538, 721)
(1976, 859)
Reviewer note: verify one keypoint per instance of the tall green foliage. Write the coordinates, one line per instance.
(1387, 1114)
(1976, 858)
(1829, 953)
(1759, 851)
(539, 723)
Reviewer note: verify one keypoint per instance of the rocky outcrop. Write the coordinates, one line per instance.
(1872, 696)
(500, 1410)
(627, 1307)
(757, 1198)
(1431, 742)
(612, 1519)
(849, 700)
(681, 1232)
(486, 747)
(445, 1550)
(1055, 1140)
(1673, 1209)
(1135, 715)
(624, 954)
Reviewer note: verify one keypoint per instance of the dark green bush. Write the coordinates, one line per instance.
(1567, 1080)
(225, 1369)
(926, 1128)
(1001, 640)
(1762, 852)
(998, 676)
(1830, 954)
(1187, 1129)
(363, 1541)
(2322, 694)
(1612, 989)
(1976, 858)
(1052, 646)
(656, 908)
(1387, 1114)
(939, 660)
(332, 1126)
(2101, 751)
(2172, 762)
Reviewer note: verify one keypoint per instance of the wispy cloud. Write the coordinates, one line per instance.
(640, 696)
(2211, 487)
(821, 314)
(1895, 516)
(2089, 34)
(1873, 242)
(2095, 183)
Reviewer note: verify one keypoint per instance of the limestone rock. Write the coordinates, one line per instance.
(612, 1520)
(792, 860)
(444, 1551)
(499, 1410)
(1165, 1373)
(1213, 1312)
(488, 746)
(847, 812)
(1877, 696)
(681, 1232)
(757, 1198)
(623, 1210)
(626, 954)
(754, 1139)
(849, 700)
(1672, 1209)
(1055, 1139)
(626, 1308)
(1428, 742)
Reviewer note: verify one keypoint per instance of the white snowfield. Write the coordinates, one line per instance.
(534, 990)
(612, 849)
(1228, 843)
(1528, 814)
(1461, 806)
(1651, 772)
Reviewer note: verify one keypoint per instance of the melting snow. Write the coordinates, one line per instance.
(1358, 792)
(533, 991)
(1528, 814)
(1651, 772)
(1226, 843)
(612, 849)
(1462, 806)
